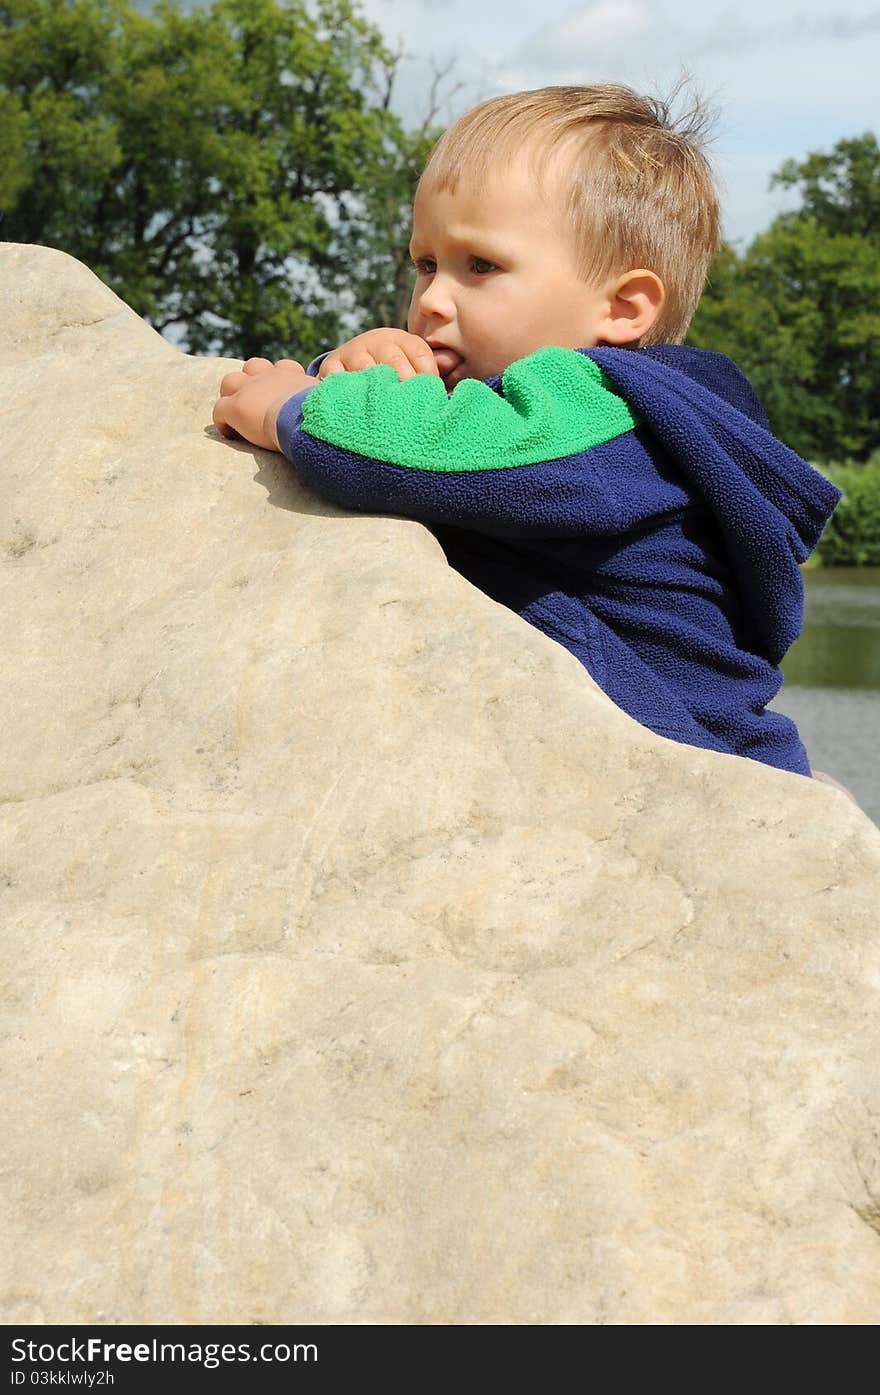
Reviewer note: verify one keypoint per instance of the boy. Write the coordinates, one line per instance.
(623, 493)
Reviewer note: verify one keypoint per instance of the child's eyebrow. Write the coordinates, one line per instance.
(475, 243)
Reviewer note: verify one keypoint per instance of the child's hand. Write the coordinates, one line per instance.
(406, 353)
(251, 399)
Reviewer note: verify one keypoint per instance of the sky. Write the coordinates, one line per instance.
(786, 76)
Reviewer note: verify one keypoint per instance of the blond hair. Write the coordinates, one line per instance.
(639, 190)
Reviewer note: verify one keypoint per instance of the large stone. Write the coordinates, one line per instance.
(364, 963)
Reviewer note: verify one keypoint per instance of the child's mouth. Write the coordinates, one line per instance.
(446, 360)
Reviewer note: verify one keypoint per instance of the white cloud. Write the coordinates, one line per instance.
(844, 26)
(627, 32)
(596, 33)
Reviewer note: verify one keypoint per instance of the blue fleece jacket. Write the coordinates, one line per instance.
(631, 504)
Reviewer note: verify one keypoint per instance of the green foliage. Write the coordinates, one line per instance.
(194, 159)
(852, 536)
(374, 232)
(839, 191)
(799, 310)
(58, 142)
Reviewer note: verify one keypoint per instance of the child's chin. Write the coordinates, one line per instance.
(455, 375)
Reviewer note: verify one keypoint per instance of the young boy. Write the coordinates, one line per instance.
(623, 493)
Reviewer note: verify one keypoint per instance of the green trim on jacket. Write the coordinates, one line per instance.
(556, 403)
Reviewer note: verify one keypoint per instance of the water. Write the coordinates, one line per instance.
(832, 679)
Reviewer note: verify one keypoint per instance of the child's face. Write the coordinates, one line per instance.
(497, 277)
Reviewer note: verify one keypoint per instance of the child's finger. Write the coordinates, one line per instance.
(397, 359)
(331, 365)
(256, 365)
(231, 382)
(356, 360)
(421, 356)
(219, 417)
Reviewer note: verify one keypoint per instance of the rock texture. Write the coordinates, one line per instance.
(363, 962)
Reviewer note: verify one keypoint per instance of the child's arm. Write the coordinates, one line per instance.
(260, 388)
(507, 457)
(251, 399)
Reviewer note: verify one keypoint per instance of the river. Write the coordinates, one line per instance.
(832, 679)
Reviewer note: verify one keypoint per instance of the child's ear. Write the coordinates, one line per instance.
(634, 302)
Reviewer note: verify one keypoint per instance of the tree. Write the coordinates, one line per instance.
(372, 239)
(839, 191)
(800, 309)
(195, 160)
(58, 144)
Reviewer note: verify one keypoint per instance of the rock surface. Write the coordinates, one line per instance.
(363, 962)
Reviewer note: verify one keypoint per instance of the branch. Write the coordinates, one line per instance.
(173, 244)
(391, 75)
(435, 101)
(192, 313)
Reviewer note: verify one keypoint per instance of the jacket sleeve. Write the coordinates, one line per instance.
(513, 457)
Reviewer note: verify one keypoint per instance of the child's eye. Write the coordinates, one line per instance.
(426, 266)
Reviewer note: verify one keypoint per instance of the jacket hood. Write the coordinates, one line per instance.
(770, 504)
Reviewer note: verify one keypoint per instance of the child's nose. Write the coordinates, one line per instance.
(437, 298)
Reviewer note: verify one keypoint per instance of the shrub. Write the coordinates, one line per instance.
(852, 536)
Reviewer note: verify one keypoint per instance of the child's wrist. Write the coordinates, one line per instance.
(270, 422)
(295, 401)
